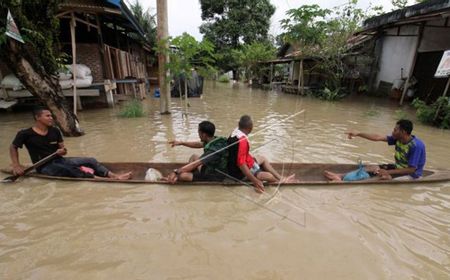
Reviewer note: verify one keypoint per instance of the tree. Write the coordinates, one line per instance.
(306, 25)
(324, 34)
(399, 4)
(35, 62)
(230, 23)
(146, 21)
(251, 55)
(188, 54)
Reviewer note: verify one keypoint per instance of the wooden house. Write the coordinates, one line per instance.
(409, 44)
(106, 37)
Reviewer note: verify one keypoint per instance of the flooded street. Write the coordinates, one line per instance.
(82, 230)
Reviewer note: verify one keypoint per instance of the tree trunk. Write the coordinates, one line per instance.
(41, 85)
(235, 74)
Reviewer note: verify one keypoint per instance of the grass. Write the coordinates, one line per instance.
(400, 114)
(132, 109)
(224, 79)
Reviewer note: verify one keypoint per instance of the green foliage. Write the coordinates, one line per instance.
(323, 34)
(371, 113)
(230, 23)
(437, 113)
(306, 25)
(399, 4)
(146, 21)
(250, 55)
(187, 54)
(329, 94)
(132, 109)
(3, 36)
(224, 78)
(363, 89)
(400, 115)
(39, 28)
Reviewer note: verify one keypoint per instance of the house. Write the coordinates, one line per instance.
(409, 44)
(104, 37)
(297, 72)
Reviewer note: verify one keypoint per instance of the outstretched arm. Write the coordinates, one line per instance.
(195, 145)
(368, 136)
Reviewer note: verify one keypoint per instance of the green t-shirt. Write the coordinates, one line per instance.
(217, 160)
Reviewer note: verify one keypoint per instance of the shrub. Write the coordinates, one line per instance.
(224, 79)
(437, 113)
(329, 95)
(400, 114)
(133, 109)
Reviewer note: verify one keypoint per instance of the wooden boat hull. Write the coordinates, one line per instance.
(308, 173)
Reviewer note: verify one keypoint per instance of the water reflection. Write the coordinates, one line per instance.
(98, 231)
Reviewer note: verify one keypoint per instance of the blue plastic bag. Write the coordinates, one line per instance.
(157, 94)
(357, 175)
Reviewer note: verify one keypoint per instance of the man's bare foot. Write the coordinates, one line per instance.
(122, 176)
(332, 176)
(125, 176)
(289, 179)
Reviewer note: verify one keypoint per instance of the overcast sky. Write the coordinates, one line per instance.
(185, 15)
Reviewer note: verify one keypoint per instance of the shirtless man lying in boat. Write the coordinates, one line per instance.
(242, 165)
(42, 140)
(410, 155)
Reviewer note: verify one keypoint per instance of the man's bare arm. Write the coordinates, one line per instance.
(18, 169)
(194, 145)
(398, 171)
(368, 136)
(258, 185)
(62, 151)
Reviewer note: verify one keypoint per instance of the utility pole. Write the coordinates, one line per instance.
(163, 57)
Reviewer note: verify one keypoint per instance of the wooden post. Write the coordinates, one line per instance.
(109, 87)
(413, 64)
(186, 102)
(163, 58)
(302, 78)
(300, 74)
(101, 45)
(74, 62)
(291, 73)
(271, 75)
(4, 93)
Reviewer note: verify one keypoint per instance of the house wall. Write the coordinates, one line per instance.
(89, 54)
(435, 38)
(397, 53)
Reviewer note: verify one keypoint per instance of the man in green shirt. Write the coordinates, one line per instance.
(211, 165)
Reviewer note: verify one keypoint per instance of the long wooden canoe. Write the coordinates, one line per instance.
(307, 173)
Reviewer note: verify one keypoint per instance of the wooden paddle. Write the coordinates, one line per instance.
(43, 161)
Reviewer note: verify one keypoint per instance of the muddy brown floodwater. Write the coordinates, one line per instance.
(82, 230)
